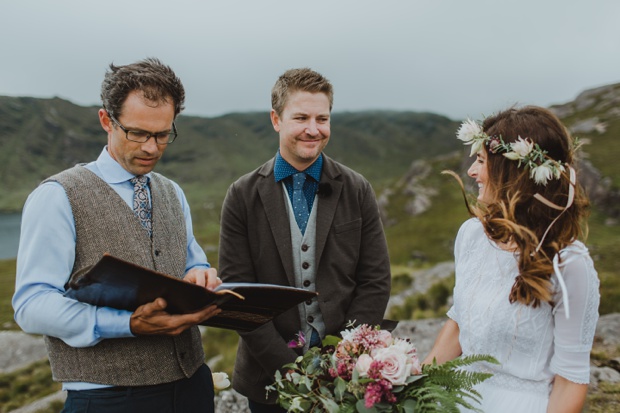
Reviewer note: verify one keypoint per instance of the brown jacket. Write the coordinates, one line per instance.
(353, 275)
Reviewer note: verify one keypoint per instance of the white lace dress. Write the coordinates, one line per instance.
(532, 344)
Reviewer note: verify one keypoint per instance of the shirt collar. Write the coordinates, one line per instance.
(282, 169)
(111, 171)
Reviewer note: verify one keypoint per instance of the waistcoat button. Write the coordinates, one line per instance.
(305, 265)
(307, 283)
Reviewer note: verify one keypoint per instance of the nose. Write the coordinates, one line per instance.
(312, 129)
(472, 171)
(150, 146)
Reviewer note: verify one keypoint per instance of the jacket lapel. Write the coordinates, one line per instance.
(272, 198)
(327, 204)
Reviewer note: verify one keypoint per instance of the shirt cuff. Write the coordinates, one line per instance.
(112, 323)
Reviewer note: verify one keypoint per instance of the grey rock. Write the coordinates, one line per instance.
(229, 401)
(19, 350)
(606, 374)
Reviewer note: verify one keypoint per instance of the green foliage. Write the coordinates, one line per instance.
(400, 282)
(26, 385)
(220, 348)
(427, 238)
(7, 287)
(430, 304)
(603, 245)
(451, 385)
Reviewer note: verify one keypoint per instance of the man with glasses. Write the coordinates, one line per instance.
(113, 360)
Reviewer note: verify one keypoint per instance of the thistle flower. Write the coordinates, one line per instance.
(300, 342)
(542, 173)
(523, 147)
(468, 131)
(471, 134)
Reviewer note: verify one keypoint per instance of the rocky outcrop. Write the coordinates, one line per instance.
(19, 350)
(604, 100)
(422, 281)
(600, 190)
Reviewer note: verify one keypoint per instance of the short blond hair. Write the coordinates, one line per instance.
(294, 80)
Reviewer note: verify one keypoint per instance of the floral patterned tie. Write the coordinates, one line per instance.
(300, 204)
(141, 204)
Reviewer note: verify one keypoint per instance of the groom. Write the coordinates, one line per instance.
(304, 220)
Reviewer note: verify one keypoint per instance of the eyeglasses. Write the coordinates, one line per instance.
(161, 138)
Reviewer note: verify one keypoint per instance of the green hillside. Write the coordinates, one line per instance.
(44, 136)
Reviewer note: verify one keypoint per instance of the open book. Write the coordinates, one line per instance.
(116, 283)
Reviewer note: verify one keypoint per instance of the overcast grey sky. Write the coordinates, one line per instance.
(458, 58)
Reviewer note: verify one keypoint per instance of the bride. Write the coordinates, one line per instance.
(526, 290)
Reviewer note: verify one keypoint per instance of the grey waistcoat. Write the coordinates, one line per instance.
(304, 264)
(105, 223)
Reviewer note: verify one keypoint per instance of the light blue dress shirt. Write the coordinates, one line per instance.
(45, 261)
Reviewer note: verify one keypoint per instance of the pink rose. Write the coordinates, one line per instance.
(385, 338)
(395, 368)
(416, 368)
(363, 364)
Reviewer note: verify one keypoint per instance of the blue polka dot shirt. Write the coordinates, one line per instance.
(283, 170)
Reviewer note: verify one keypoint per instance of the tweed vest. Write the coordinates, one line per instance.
(105, 223)
(304, 264)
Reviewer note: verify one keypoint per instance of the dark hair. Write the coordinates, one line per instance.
(514, 216)
(155, 80)
(294, 80)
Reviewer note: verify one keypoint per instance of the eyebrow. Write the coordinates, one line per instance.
(147, 131)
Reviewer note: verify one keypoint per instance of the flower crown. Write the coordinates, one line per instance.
(527, 153)
(542, 169)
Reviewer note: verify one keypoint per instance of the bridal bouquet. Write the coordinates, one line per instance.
(369, 370)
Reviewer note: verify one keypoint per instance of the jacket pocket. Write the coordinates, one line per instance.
(348, 226)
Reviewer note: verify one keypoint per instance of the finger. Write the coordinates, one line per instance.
(212, 279)
(183, 321)
(200, 278)
(159, 304)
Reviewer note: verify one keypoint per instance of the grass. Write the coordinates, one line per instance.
(7, 287)
(427, 238)
(26, 385)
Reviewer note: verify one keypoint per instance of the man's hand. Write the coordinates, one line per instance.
(151, 319)
(204, 277)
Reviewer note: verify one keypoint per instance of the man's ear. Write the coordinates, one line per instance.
(104, 119)
(275, 120)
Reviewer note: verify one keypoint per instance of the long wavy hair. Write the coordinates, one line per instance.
(513, 217)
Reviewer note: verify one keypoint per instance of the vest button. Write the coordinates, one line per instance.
(307, 283)
(305, 265)
(157, 253)
(308, 302)
(310, 319)
(304, 248)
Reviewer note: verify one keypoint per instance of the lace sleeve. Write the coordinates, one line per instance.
(573, 335)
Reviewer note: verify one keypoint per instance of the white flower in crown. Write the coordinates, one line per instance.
(542, 173)
(471, 133)
(523, 147)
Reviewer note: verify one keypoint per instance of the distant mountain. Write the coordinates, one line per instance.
(40, 137)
